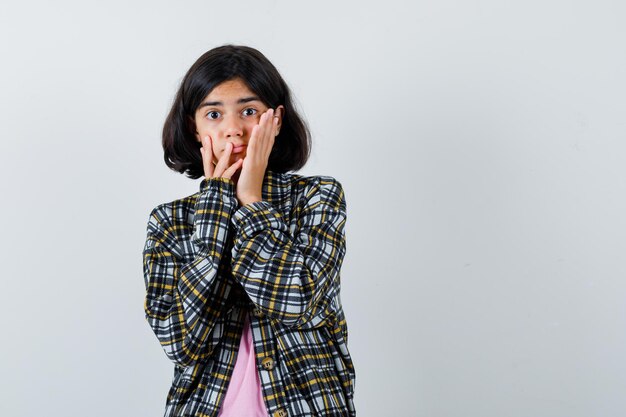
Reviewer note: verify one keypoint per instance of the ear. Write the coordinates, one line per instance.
(280, 112)
(191, 123)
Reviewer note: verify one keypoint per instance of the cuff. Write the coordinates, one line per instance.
(227, 185)
(213, 207)
(254, 217)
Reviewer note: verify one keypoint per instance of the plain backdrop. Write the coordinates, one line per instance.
(481, 145)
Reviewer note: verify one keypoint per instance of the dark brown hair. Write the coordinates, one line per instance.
(292, 146)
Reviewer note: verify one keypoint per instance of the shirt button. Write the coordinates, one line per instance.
(281, 412)
(268, 363)
(257, 313)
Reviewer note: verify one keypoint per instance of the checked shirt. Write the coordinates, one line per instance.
(208, 261)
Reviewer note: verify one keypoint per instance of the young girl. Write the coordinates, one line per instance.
(243, 277)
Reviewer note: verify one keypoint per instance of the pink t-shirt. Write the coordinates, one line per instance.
(244, 396)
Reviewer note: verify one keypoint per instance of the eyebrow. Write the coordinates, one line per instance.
(219, 103)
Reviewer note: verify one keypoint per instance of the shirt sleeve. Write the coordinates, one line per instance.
(293, 278)
(186, 297)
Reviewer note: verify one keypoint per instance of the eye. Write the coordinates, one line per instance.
(212, 115)
(249, 111)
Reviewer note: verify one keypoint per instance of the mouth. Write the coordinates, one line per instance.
(238, 149)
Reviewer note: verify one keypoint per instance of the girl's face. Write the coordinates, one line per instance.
(228, 114)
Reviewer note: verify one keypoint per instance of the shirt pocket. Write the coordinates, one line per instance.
(312, 370)
(322, 388)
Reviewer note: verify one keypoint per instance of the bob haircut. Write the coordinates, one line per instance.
(292, 146)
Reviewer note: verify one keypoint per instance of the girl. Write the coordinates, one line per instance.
(243, 277)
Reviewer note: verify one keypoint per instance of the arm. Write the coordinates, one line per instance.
(184, 300)
(293, 279)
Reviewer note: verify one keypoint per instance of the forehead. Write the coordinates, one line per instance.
(229, 91)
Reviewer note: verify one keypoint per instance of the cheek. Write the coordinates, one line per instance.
(204, 127)
(217, 149)
(205, 130)
(250, 123)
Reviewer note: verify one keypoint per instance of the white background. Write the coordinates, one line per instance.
(481, 146)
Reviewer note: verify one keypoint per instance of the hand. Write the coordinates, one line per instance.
(221, 169)
(250, 182)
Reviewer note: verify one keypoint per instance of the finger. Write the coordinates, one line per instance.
(275, 120)
(269, 132)
(222, 164)
(273, 125)
(233, 168)
(207, 156)
(273, 134)
(262, 132)
(253, 140)
(256, 142)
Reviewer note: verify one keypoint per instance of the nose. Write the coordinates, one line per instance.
(233, 126)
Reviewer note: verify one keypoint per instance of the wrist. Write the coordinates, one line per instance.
(251, 199)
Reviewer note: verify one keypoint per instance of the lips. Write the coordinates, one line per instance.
(238, 149)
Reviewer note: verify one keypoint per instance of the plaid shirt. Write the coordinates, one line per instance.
(208, 261)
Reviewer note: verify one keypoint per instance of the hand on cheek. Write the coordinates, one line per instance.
(250, 182)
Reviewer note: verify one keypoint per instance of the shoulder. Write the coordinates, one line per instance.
(173, 214)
